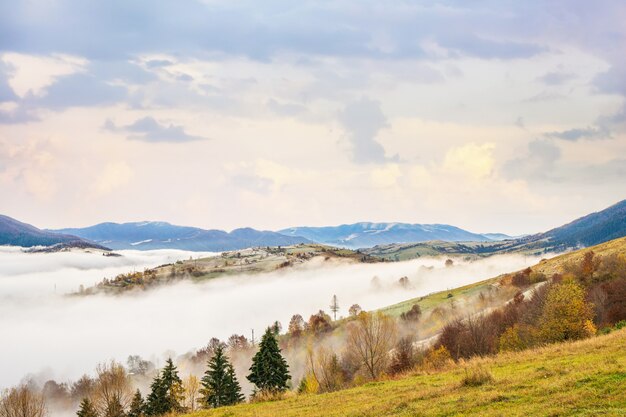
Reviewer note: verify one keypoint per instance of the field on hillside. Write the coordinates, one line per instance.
(581, 378)
(247, 261)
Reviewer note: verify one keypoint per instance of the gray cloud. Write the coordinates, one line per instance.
(147, 129)
(573, 135)
(538, 163)
(363, 120)
(556, 78)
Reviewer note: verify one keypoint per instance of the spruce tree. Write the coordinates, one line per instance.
(269, 370)
(87, 409)
(234, 395)
(219, 383)
(155, 403)
(172, 385)
(136, 406)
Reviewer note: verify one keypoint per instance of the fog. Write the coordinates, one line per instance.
(44, 331)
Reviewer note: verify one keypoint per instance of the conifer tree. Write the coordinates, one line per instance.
(234, 389)
(173, 387)
(155, 403)
(137, 406)
(269, 370)
(219, 383)
(87, 409)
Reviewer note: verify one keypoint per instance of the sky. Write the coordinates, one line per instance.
(494, 116)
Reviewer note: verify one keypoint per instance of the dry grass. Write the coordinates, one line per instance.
(581, 378)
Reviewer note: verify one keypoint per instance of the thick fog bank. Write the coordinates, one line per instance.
(68, 336)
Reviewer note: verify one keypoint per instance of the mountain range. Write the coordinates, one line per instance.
(363, 235)
(588, 230)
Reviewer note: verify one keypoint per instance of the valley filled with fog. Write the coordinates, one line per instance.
(48, 334)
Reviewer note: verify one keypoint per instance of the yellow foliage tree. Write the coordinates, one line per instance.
(566, 315)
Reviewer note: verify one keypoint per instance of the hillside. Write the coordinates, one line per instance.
(589, 230)
(364, 235)
(249, 261)
(162, 235)
(16, 233)
(581, 378)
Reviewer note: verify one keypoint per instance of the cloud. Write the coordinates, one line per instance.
(573, 135)
(147, 129)
(472, 159)
(114, 175)
(363, 120)
(539, 161)
(6, 92)
(556, 78)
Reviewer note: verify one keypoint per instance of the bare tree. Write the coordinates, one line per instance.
(22, 402)
(112, 386)
(370, 338)
(192, 388)
(334, 307)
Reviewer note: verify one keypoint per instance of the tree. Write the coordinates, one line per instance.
(324, 368)
(413, 314)
(112, 386)
(86, 409)
(192, 386)
(137, 405)
(296, 325)
(334, 306)
(114, 409)
(403, 358)
(269, 370)
(22, 402)
(166, 393)
(566, 315)
(354, 310)
(370, 338)
(319, 323)
(219, 383)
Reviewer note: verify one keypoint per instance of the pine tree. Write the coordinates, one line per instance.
(137, 406)
(173, 387)
(234, 389)
(155, 403)
(269, 370)
(87, 409)
(219, 383)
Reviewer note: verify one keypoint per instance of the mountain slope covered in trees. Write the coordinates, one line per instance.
(16, 233)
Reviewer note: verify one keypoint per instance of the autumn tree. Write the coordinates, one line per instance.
(191, 386)
(323, 366)
(413, 315)
(566, 315)
(354, 310)
(296, 325)
(22, 402)
(112, 386)
(269, 370)
(370, 338)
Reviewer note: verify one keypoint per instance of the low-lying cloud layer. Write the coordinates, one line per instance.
(67, 336)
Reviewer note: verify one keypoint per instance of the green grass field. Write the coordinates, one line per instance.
(584, 378)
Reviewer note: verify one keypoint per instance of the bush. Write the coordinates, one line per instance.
(566, 315)
(438, 358)
(476, 376)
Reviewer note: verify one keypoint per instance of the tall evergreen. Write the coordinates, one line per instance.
(269, 370)
(219, 383)
(137, 406)
(166, 392)
(87, 409)
(173, 386)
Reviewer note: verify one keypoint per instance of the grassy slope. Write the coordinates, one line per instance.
(466, 293)
(582, 378)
